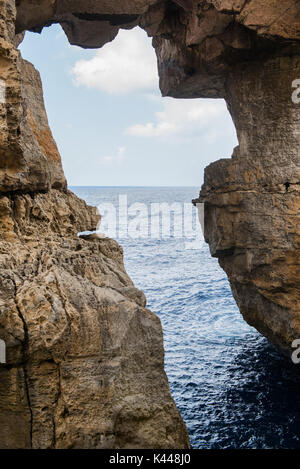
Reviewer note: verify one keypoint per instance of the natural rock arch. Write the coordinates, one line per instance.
(71, 369)
(246, 52)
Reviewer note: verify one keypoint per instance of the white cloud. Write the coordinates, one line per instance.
(114, 159)
(187, 118)
(128, 64)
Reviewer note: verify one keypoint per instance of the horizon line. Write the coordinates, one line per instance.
(73, 185)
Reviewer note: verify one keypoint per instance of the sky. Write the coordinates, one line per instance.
(110, 122)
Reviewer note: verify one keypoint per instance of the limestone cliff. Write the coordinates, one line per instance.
(85, 356)
(85, 361)
(247, 52)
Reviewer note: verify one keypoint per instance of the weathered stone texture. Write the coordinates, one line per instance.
(29, 159)
(85, 359)
(252, 200)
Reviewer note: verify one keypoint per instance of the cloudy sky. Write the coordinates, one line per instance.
(111, 125)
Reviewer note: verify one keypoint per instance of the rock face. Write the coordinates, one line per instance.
(253, 200)
(85, 357)
(29, 159)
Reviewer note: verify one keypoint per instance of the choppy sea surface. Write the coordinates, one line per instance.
(232, 388)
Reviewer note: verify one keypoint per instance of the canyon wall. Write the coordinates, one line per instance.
(85, 357)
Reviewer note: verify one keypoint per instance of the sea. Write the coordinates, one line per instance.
(232, 388)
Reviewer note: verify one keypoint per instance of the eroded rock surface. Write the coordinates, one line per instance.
(85, 357)
(253, 200)
(29, 159)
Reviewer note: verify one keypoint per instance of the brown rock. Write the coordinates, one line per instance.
(252, 201)
(83, 352)
(85, 358)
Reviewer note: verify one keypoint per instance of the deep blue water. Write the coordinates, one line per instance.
(232, 388)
